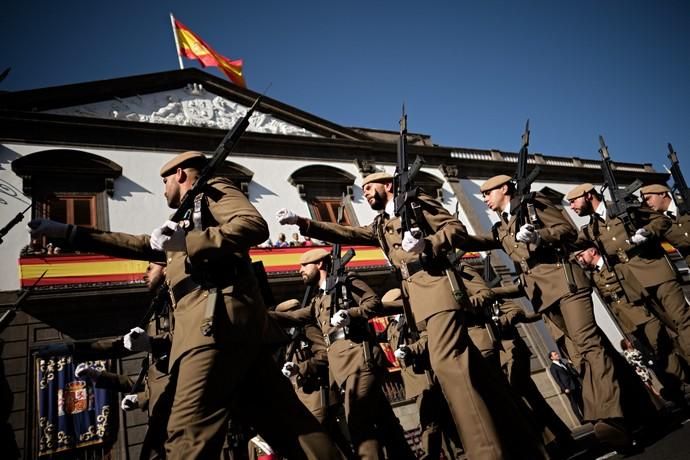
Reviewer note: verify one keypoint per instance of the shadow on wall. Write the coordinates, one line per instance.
(258, 191)
(126, 188)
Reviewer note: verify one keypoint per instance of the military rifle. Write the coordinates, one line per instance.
(681, 193)
(15, 220)
(335, 283)
(226, 146)
(523, 184)
(10, 314)
(623, 203)
(297, 332)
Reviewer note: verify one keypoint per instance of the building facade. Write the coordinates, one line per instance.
(89, 154)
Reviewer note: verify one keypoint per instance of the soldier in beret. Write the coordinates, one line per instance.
(485, 414)
(219, 366)
(560, 291)
(636, 320)
(639, 260)
(435, 419)
(659, 198)
(350, 346)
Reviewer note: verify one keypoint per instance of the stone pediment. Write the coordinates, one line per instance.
(191, 106)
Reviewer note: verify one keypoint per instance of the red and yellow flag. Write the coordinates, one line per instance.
(191, 46)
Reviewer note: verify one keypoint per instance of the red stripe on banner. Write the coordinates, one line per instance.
(52, 281)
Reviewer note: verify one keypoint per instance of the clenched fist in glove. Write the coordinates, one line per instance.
(168, 237)
(289, 369)
(49, 228)
(528, 234)
(130, 402)
(84, 371)
(411, 243)
(640, 236)
(137, 340)
(287, 217)
(402, 353)
(341, 318)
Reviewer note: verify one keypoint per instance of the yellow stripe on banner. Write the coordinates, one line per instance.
(277, 259)
(114, 267)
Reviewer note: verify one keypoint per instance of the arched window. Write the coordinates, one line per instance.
(325, 188)
(68, 185)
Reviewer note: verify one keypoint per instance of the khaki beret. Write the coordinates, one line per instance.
(494, 182)
(655, 188)
(392, 298)
(380, 177)
(287, 305)
(191, 158)
(314, 255)
(578, 191)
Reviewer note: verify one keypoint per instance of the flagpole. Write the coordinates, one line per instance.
(177, 44)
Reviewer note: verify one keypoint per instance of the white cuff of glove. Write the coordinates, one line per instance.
(168, 237)
(412, 244)
(341, 318)
(289, 369)
(640, 236)
(137, 340)
(401, 353)
(528, 234)
(130, 402)
(286, 217)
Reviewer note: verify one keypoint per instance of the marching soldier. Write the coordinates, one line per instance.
(658, 197)
(639, 261)
(636, 320)
(219, 365)
(350, 345)
(485, 415)
(560, 291)
(435, 420)
(155, 341)
(307, 361)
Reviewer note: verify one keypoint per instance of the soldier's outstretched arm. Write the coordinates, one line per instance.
(327, 231)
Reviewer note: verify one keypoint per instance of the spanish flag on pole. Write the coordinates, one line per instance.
(191, 46)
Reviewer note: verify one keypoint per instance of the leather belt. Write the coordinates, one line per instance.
(338, 334)
(432, 266)
(407, 269)
(183, 288)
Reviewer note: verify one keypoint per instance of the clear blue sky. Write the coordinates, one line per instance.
(470, 73)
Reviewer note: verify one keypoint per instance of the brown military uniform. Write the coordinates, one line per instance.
(636, 320)
(548, 280)
(230, 369)
(481, 407)
(643, 270)
(678, 235)
(370, 418)
(515, 363)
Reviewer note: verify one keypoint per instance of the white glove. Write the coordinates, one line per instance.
(401, 353)
(289, 369)
(286, 217)
(412, 244)
(137, 340)
(129, 402)
(174, 242)
(49, 228)
(528, 234)
(341, 318)
(640, 236)
(85, 371)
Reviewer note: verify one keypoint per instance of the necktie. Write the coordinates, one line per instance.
(505, 216)
(595, 224)
(671, 214)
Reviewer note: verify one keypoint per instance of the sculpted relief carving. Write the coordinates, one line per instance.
(189, 106)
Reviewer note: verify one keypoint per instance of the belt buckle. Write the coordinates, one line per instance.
(404, 271)
(327, 340)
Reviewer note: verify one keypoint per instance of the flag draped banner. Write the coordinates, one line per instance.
(191, 46)
(71, 412)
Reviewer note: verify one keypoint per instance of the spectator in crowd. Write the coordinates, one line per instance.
(638, 362)
(295, 242)
(568, 379)
(280, 242)
(307, 241)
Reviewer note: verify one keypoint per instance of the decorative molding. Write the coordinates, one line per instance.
(190, 106)
(365, 167)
